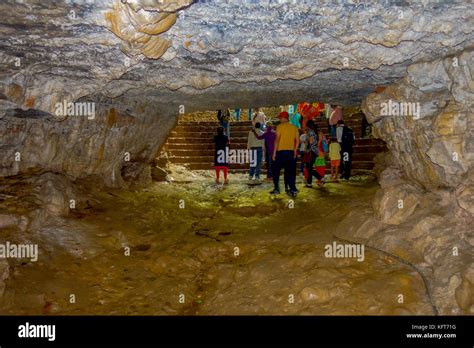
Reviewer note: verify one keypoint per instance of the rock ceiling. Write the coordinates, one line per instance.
(206, 54)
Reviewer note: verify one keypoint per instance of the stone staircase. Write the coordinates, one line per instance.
(190, 144)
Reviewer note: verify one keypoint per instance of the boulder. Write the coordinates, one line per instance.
(465, 199)
(394, 205)
(54, 192)
(465, 291)
(7, 220)
(359, 225)
(391, 176)
(136, 174)
(158, 174)
(315, 294)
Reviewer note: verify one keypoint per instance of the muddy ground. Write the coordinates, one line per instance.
(191, 247)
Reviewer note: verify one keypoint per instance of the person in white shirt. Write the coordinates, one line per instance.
(339, 130)
(259, 117)
(257, 146)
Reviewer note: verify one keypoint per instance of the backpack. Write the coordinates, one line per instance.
(320, 161)
(325, 146)
(347, 136)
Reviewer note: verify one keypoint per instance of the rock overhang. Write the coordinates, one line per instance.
(237, 53)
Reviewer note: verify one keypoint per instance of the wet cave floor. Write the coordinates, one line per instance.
(197, 248)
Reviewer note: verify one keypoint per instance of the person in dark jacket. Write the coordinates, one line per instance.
(346, 138)
(312, 153)
(221, 143)
(223, 116)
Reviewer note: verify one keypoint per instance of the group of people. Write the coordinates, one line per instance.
(222, 141)
(225, 116)
(291, 140)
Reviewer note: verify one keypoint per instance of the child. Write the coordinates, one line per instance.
(220, 160)
(224, 119)
(312, 152)
(335, 157)
(320, 161)
(320, 167)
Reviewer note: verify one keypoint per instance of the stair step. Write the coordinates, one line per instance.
(210, 152)
(358, 141)
(210, 165)
(211, 127)
(243, 140)
(354, 118)
(213, 123)
(206, 133)
(209, 157)
(200, 150)
(264, 173)
(191, 144)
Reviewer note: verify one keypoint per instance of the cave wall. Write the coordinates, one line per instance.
(424, 209)
(436, 147)
(114, 145)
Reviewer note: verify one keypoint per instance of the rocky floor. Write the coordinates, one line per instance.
(191, 247)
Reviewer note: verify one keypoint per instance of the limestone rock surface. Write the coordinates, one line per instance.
(142, 62)
(433, 146)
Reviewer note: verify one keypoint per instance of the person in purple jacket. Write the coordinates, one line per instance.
(269, 135)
